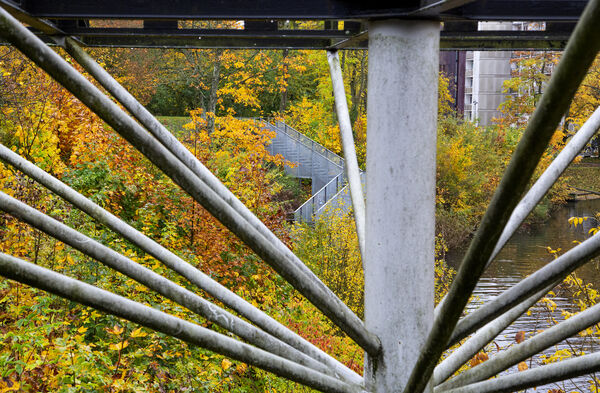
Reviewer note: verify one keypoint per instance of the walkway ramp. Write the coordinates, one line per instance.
(315, 162)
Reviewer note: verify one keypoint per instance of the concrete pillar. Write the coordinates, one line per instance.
(401, 149)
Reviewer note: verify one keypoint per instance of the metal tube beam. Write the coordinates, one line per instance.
(548, 178)
(400, 230)
(554, 372)
(550, 274)
(566, 78)
(545, 182)
(182, 267)
(89, 295)
(61, 71)
(168, 140)
(351, 162)
(517, 353)
(479, 340)
(156, 282)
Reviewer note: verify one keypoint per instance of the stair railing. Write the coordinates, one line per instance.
(314, 204)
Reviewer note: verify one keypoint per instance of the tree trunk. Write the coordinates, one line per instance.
(362, 102)
(212, 97)
(358, 84)
(284, 91)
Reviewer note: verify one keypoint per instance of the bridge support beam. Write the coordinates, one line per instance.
(400, 220)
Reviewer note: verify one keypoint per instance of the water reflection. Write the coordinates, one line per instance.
(524, 254)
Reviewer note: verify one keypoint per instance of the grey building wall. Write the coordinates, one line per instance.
(486, 71)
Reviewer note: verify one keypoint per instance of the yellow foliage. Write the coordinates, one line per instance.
(522, 366)
(225, 364)
(138, 333)
(119, 346)
(445, 99)
(330, 249)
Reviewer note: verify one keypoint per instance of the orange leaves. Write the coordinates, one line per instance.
(225, 364)
(520, 337)
(119, 346)
(138, 333)
(478, 359)
(116, 330)
(522, 366)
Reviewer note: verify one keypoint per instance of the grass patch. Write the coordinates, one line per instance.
(175, 124)
(592, 160)
(293, 191)
(587, 177)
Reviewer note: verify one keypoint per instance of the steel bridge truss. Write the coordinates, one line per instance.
(402, 335)
(338, 24)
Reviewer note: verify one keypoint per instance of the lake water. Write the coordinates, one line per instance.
(524, 254)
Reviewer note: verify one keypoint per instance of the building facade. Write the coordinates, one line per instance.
(485, 73)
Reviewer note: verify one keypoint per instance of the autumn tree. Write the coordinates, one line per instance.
(530, 74)
(48, 344)
(587, 98)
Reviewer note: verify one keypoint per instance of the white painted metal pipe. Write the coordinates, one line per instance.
(517, 353)
(172, 261)
(473, 345)
(580, 52)
(523, 380)
(168, 140)
(400, 230)
(100, 299)
(545, 182)
(552, 273)
(548, 178)
(156, 282)
(351, 162)
(315, 291)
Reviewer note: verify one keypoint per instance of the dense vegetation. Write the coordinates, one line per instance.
(49, 344)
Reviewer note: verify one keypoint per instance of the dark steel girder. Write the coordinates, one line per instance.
(306, 9)
(480, 40)
(261, 30)
(519, 10)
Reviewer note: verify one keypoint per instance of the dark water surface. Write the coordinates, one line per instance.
(524, 254)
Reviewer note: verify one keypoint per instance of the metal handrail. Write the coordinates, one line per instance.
(340, 194)
(308, 142)
(307, 209)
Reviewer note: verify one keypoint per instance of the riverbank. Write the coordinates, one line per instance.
(584, 180)
(526, 253)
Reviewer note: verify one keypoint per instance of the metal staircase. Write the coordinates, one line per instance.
(315, 162)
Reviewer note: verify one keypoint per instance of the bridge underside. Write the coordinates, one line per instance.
(403, 337)
(335, 24)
